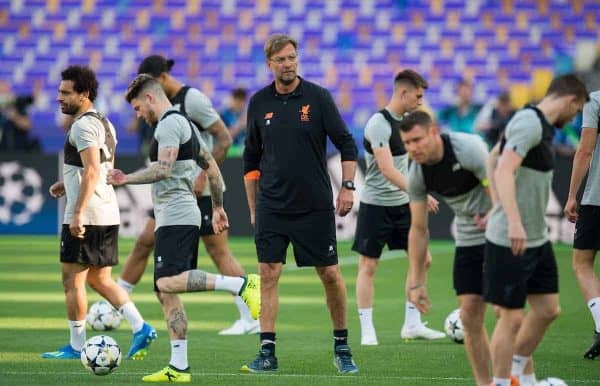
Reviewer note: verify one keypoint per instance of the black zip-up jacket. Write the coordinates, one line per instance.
(286, 141)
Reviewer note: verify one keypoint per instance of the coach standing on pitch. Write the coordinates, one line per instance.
(289, 192)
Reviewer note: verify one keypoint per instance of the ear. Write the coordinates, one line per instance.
(85, 94)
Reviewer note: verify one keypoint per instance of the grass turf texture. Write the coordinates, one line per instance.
(32, 320)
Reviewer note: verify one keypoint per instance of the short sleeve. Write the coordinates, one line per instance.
(591, 111)
(199, 108)
(85, 133)
(471, 152)
(523, 132)
(378, 131)
(172, 131)
(417, 191)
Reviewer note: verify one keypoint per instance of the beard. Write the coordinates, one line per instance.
(288, 78)
(69, 109)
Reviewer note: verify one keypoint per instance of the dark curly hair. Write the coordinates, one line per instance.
(83, 79)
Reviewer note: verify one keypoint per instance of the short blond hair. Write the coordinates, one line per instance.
(277, 42)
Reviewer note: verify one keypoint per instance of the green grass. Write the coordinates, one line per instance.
(32, 320)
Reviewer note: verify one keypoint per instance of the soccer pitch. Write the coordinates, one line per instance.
(32, 320)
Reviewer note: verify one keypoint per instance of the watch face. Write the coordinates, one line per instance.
(349, 185)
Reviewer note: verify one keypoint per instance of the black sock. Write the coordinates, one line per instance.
(267, 340)
(340, 337)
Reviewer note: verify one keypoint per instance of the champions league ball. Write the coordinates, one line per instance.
(453, 326)
(101, 355)
(102, 316)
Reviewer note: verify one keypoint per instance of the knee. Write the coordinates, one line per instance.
(580, 266)
(330, 276)
(164, 285)
(217, 251)
(367, 267)
(549, 313)
(269, 276)
(471, 317)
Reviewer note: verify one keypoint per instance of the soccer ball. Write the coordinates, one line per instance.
(552, 382)
(101, 355)
(453, 326)
(103, 316)
(21, 196)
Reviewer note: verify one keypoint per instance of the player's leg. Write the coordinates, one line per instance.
(585, 246)
(218, 249)
(373, 229)
(365, 289)
(178, 369)
(472, 314)
(73, 279)
(136, 262)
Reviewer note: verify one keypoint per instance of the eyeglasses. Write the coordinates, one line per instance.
(282, 59)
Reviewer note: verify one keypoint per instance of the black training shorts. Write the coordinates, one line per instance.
(508, 279)
(378, 225)
(99, 246)
(311, 234)
(587, 228)
(175, 250)
(468, 270)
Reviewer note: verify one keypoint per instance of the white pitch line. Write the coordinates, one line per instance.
(351, 378)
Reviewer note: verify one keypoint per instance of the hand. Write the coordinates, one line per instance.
(220, 222)
(200, 183)
(571, 210)
(481, 221)
(76, 227)
(57, 189)
(344, 202)
(433, 205)
(417, 295)
(517, 237)
(116, 177)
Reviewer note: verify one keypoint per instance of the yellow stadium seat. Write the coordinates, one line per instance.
(520, 94)
(540, 80)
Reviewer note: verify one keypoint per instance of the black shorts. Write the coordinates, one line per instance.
(508, 279)
(468, 270)
(312, 236)
(99, 246)
(205, 205)
(378, 225)
(587, 228)
(175, 250)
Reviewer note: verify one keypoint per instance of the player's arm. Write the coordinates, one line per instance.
(418, 239)
(252, 156)
(385, 163)
(581, 164)
(504, 176)
(208, 163)
(490, 165)
(157, 171)
(222, 143)
(90, 158)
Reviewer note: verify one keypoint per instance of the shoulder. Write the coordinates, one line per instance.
(462, 141)
(197, 95)
(524, 118)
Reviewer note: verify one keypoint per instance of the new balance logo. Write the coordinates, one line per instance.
(456, 167)
(159, 259)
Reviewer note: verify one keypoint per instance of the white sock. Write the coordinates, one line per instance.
(594, 306)
(77, 332)
(528, 379)
(231, 284)
(243, 309)
(179, 358)
(501, 382)
(365, 316)
(125, 285)
(518, 364)
(133, 316)
(412, 316)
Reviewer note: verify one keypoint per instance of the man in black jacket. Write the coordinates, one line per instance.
(289, 192)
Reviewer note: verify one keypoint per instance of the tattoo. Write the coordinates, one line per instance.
(196, 281)
(216, 190)
(177, 323)
(203, 158)
(152, 173)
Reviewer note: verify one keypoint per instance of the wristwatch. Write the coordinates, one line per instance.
(348, 184)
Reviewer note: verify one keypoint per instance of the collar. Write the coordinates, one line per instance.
(298, 91)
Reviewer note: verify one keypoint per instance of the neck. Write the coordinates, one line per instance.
(439, 150)
(172, 87)
(161, 108)
(286, 88)
(550, 107)
(85, 106)
(396, 107)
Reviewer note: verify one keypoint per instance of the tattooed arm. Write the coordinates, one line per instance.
(155, 172)
(215, 183)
